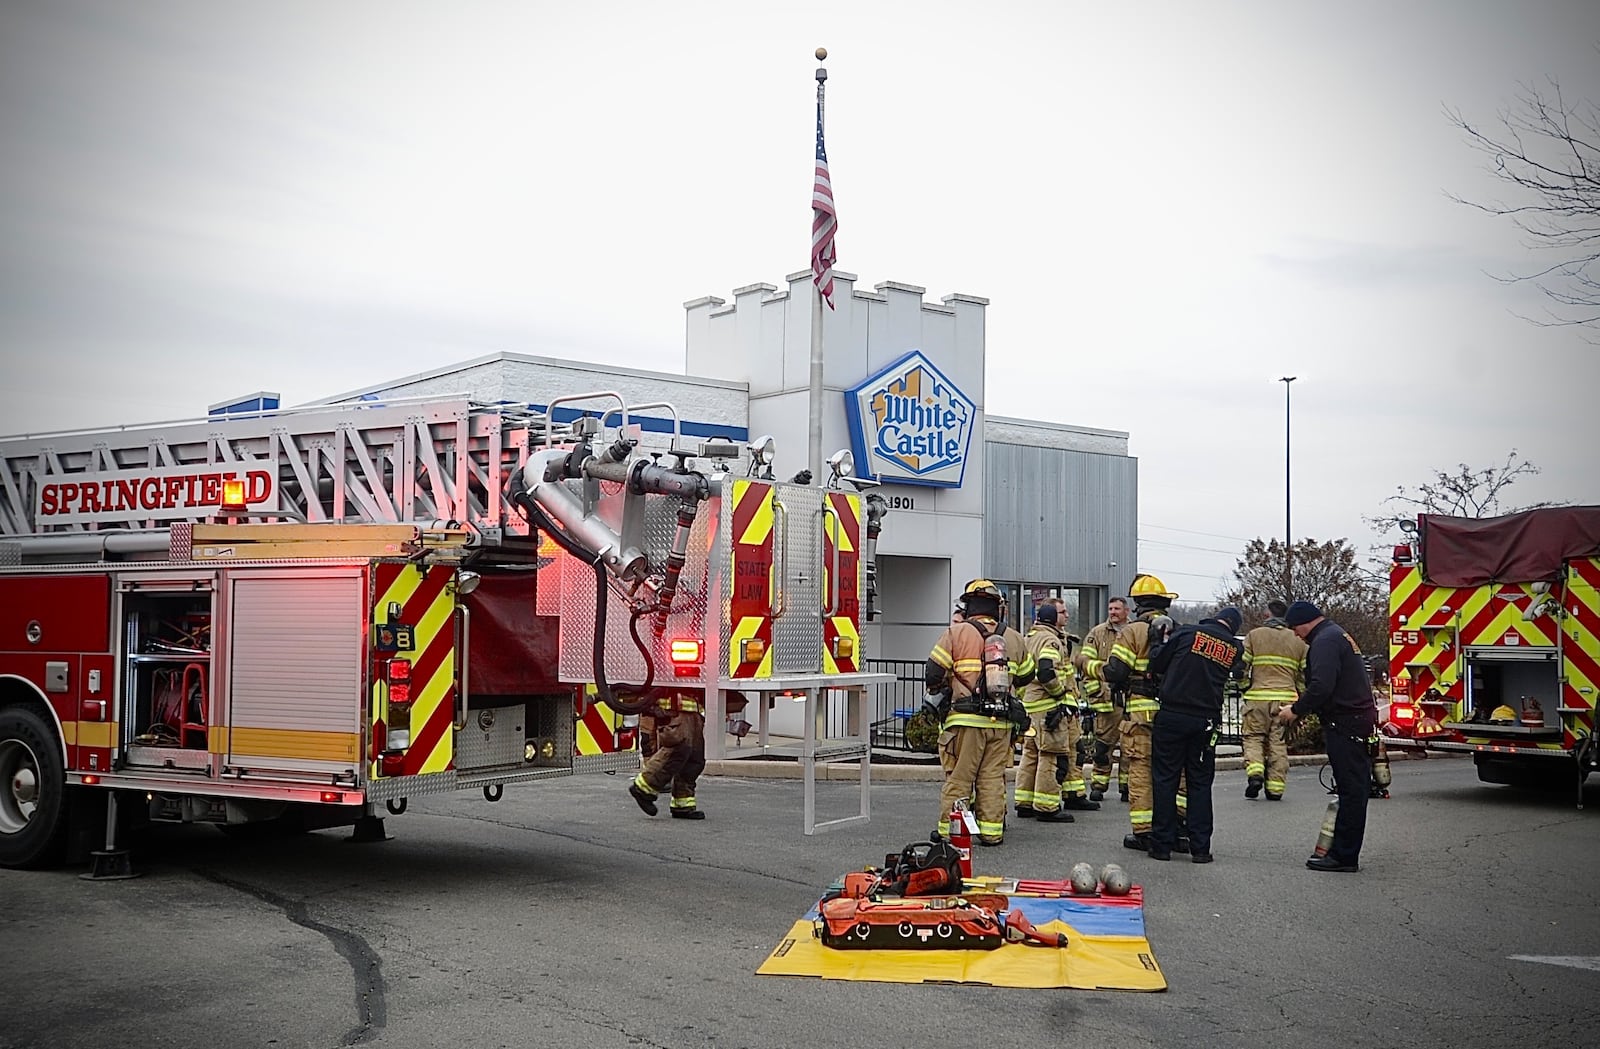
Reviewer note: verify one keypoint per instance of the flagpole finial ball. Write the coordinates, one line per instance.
(822, 54)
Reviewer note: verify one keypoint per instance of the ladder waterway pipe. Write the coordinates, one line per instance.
(102, 545)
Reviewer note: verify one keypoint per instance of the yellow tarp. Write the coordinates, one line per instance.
(1089, 962)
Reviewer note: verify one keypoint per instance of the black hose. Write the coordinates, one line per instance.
(645, 699)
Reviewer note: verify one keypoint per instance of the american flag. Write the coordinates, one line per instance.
(824, 221)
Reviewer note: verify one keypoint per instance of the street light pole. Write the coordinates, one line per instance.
(1288, 531)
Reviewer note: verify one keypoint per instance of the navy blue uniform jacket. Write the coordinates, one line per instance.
(1194, 664)
(1338, 688)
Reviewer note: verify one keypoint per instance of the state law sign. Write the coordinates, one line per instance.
(911, 425)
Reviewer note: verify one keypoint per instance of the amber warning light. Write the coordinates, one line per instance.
(233, 495)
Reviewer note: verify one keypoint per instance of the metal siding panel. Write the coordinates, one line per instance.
(1057, 515)
(1002, 511)
(296, 654)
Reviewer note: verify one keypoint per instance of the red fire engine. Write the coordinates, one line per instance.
(1494, 644)
(303, 615)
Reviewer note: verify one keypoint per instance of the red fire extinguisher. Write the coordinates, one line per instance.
(961, 836)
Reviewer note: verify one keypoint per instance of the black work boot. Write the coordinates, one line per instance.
(688, 814)
(1252, 789)
(1026, 812)
(1136, 841)
(1122, 794)
(1097, 794)
(646, 802)
(1056, 816)
(1078, 804)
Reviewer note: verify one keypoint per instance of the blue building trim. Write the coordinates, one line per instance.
(650, 423)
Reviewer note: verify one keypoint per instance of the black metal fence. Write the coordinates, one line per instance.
(893, 704)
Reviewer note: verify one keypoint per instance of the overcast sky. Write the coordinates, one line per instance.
(1169, 204)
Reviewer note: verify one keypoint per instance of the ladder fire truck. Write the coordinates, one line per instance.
(302, 615)
(1494, 643)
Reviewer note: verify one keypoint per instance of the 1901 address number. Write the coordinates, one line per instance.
(902, 502)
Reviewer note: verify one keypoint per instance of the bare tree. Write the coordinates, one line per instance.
(1326, 574)
(1191, 611)
(1547, 150)
(1461, 492)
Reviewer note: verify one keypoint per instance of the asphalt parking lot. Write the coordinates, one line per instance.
(561, 916)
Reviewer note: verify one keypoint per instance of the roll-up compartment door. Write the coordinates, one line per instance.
(295, 662)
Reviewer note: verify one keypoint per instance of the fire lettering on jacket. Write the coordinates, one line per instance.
(1214, 649)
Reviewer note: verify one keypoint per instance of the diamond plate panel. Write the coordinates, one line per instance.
(492, 737)
(688, 618)
(622, 761)
(797, 633)
(410, 786)
(550, 586)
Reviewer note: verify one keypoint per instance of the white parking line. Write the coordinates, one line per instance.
(1569, 960)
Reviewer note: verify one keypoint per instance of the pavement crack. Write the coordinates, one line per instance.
(365, 964)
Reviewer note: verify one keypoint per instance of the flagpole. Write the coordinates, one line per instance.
(816, 318)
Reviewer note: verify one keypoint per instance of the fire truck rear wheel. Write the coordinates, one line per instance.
(33, 811)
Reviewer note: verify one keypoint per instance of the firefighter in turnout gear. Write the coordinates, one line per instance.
(676, 738)
(1018, 659)
(1129, 667)
(1074, 789)
(972, 676)
(1049, 781)
(1276, 660)
(1103, 700)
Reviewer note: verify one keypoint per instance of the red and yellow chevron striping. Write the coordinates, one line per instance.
(596, 724)
(1580, 649)
(1421, 638)
(751, 591)
(427, 603)
(1432, 626)
(1429, 626)
(841, 539)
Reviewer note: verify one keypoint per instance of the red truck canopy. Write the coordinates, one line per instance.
(1517, 548)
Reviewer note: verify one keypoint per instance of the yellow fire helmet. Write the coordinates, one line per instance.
(1149, 586)
(1427, 726)
(1503, 715)
(981, 586)
(983, 589)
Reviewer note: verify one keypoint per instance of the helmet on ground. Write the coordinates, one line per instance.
(1145, 585)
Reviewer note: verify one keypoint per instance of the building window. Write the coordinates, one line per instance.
(1084, 603)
